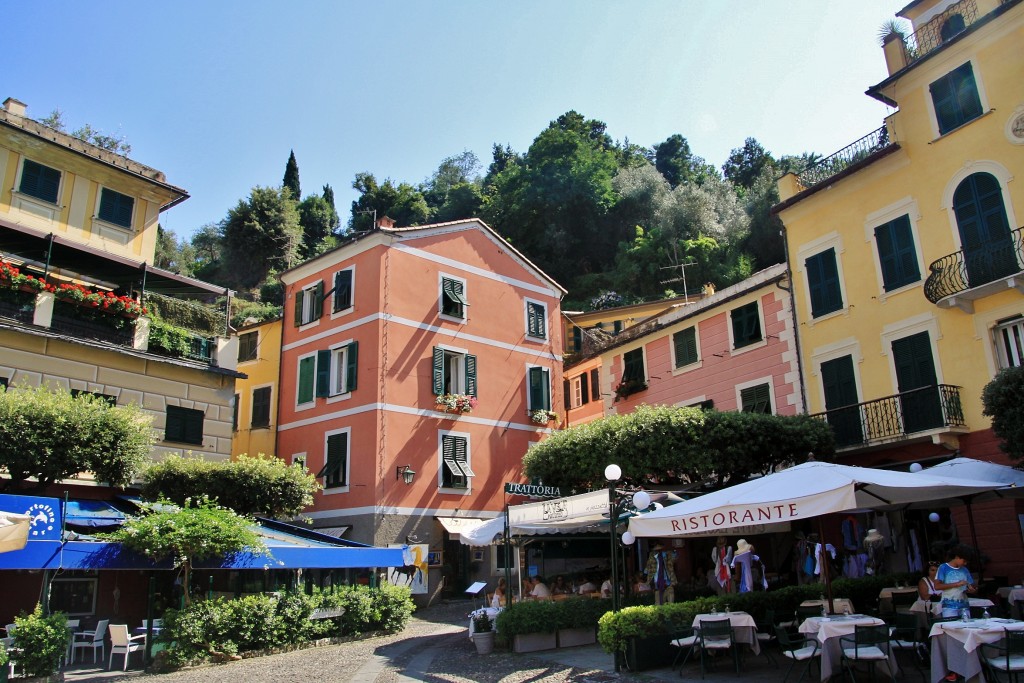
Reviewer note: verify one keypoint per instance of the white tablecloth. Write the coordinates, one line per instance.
(829, 630)
(743, 627)
(840, 605)
(936, 607)
(955, 645)
(1015, 596)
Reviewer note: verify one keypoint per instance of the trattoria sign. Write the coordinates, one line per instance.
(532, 490)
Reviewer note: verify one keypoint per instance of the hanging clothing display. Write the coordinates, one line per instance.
(722, 556)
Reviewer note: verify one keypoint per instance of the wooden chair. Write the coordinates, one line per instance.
(867, 644)
(123, 644)
(798, 648)
(1006, 656)
(91, 640)
(716, 636)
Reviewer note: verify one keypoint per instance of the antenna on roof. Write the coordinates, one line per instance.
(682, 270)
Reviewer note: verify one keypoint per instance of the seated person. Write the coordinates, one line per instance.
(498, 599)
(640, 584)
(606, 588)
(926, 589)
(588, 586)
(540, 589)
(559, 587)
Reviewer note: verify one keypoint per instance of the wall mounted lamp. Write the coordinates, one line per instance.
(405, 473)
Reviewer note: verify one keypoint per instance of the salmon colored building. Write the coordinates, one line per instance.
(417, 366)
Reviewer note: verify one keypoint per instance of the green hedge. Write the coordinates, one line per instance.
(256, 622)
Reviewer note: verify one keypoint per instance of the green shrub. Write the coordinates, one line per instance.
(175, 340)
(42, 641)
(395, 608)
(580, 612)
(529, 616)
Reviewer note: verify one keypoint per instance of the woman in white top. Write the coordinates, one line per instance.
(498, 599)
(926, 589)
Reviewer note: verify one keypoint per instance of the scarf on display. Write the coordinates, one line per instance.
(723, 565)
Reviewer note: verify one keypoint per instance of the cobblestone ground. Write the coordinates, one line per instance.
(432, 648)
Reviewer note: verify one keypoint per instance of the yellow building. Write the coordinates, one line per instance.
(906, 248)
(78, 224)
(255, 418)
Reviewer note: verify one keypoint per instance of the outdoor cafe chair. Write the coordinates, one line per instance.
(905, 636)
(867, 644)
(72, 628)
(122, 644)
(808, 612)
(798, 648)
(1006, 656)
(716, 636)
(765, 634)
(686, 639)
(92, 640)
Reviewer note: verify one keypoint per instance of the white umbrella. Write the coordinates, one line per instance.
(13, 531)
(969, 468)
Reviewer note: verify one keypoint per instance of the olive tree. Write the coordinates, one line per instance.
(47, 434)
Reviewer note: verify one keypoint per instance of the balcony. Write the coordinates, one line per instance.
(970, 274)
(940, 29)
(930, 410)
(845, 159)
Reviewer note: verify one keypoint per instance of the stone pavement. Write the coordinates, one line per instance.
(433, 648)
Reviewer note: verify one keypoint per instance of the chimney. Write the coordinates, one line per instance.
(385, 222)
(16, 107)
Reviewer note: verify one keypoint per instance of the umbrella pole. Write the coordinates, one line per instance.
(825, 573)
(974, 538)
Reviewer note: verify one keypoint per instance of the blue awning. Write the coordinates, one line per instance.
(96, 514)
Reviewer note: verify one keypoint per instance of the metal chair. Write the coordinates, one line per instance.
(122, 644)
(716, 636)
(867, 644)
(765, 634)
(1006, 656)
(798, 648)
(902, 602)
(92, 640)
(905, 636)
(805, 613)
(686, 639)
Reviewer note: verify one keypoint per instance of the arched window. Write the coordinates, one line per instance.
(984, 229)
(952, 26)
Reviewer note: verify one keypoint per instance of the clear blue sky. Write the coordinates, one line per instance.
(216, 93)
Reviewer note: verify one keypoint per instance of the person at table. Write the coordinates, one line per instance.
(606, 588)
(640, 584)
(498, 599)
(955, 581)
(560, 587)
(926, 589)
(588, 586)
(540, 589)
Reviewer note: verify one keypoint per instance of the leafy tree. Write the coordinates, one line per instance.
(764, 242)
(678, 164)
(249, 312)
(501, 159)
(291, 177)
(745, 163)
(177, 257)
(41, 641)
(463, 201)
(319, 221)
(659, 445)
(403, 202)
(207, 250)
(48, 435)
(262, 485)
(328, 195)
(197, 531)
(111, 143)
(1001, 400)
(261, 234)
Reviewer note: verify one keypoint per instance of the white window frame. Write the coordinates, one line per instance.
(1001, 357)
(457, 370)
(113, 231)
(925, 322)
(832, 240)
(907, 206)
(352, 302)
(933, 117)
(526, 319)
(339, 365)
(440, 462)
(252, 404)
(298, 379)
(699, 363)
(299, 459)
(348, 461)
(823, 354)
(441, 277)
(307, 297)
(34, 205)
(576, 387)
(551, 393)
(767, 379)
(733, 351)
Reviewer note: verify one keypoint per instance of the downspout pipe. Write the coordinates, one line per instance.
(796, 323)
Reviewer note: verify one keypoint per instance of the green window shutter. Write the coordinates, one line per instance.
(746, 325)
(438, 366)
(536, 325)
(184, 425)
(234, 414)
(261, 407)
(307, 379)
(584, 390)
(41, 182)
(595, 385)
(897, 254)
(823, 283)
(577, 338)
(342, 290)
(194, 427)
(566, 395)
(351, 372)
(756, 399)
(318, 301)
(633, 366)
(299, 297)
(116, 208)
(955, 98)
(173, 424)
(471, 375)
(540, 393)
(685, 344)
(323, 373)
(334, 470)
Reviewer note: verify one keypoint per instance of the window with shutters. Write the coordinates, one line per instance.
(633, 367)
(248, 344)
(823, 283)
(453, 298)
(299, 460)
(234, 413)
(538, 382)
(897, 254)
(756, 398)
(536, 320)
(684, 347)
(116, 208)
(746, 325)
(454, 371)
(309, 304)
(184, 425)
(260, 407)
(579, 396)
(343, 369)
(41, 182)
(456, 470)
(305, 394)
(955, 98)
(336, 451)
(1008, 336)
(595, 385)
(344, 286)
(577, 338)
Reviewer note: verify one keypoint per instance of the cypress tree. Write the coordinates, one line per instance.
(291, 177)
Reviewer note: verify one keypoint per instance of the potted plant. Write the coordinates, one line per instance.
(577, 620)
(4, 661)
(628, 387)
(542, 417)
(455, 403)
(483, 633)
(644, 634)
(530, 624)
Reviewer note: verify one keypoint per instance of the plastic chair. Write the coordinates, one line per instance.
(93, 640)
(686, 639)
(867, 644)
(1006, 657)
(122, 644)
(798, 648)
(905, 636)
(716, 635)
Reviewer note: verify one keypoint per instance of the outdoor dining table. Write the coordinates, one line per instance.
(935, 608)
(828, 631)
(1013, 595)
(955, 645)
(744, 629)
(839, 605)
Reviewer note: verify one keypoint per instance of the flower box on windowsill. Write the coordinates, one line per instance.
(625, 389)
(455, 404)
(543, 417)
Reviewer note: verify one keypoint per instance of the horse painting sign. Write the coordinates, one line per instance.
(413, 573)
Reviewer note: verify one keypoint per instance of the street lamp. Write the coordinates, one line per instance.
(405, 473)
(613, 473)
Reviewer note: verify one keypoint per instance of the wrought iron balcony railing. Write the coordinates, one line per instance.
(824, 169)
(975, 266)
(919, 410)
(940, 29)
